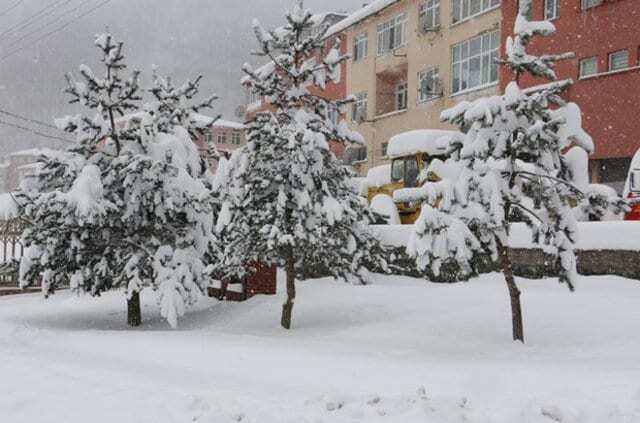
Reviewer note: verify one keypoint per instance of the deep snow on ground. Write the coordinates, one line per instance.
(399, 350)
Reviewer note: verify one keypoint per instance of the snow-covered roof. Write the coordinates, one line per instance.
(360, 15)
(8, 207)
(35, 152)
(221, 123)
(430, 141)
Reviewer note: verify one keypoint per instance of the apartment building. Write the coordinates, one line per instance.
(605, 37)
(412, 59)
(226, 136)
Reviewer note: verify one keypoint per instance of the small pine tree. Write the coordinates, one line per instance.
(510, 168)
(125, 207)
(288, 201)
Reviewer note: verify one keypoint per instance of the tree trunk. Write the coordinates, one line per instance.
(287, 307)
(514, 293)
(134, 314)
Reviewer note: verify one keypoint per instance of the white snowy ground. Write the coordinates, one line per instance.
(400, 350)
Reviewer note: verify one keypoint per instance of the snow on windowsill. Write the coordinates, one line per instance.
(474, 89)
(429, 100)
(393, 51)
(608, 73)
(468, 18)
(390, 114)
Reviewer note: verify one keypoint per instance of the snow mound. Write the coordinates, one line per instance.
(384, 205)
(379, 176)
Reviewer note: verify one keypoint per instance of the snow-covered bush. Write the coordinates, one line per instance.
(125, 207)
(601, 203)
(511, 169)
(288, 200)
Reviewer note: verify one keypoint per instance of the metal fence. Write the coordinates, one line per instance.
(11, 250)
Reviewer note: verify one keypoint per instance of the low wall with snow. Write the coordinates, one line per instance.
(603, 248)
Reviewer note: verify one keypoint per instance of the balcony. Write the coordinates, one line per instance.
(392, 91)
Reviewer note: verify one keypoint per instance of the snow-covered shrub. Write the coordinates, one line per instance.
(601, 203)
(288, 201)
(126, 206)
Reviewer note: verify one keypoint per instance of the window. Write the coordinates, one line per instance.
(473, 62)
(397, 170)
(208, 137)
(355, 155)
(385, 145)
(588, 4)
(411, 173)
(430, 15)
(333, 114)
(222, 138)
(401, 96)
(588, 67)
(551, 9)
(465, 9)
(359, 111)
(619, 60)
(406, 170)
(254, 97)
(429, 85)
(235, 138)
(392, 34)
(360, 45)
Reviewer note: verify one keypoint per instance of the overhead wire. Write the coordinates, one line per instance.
(56, 19)
(33, 131)
(55, 31)
(10, 9)
(26, 119)
(38, 20)
(29, 18)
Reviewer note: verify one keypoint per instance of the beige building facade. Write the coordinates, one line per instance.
(412, 59)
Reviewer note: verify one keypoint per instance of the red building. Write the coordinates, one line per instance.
(332, 91)
(605, 37)
(225, 135)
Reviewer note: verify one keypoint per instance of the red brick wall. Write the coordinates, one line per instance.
(610, 103)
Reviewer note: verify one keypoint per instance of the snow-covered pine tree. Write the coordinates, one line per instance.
(510, 168)
(288, 201)
(124, 208)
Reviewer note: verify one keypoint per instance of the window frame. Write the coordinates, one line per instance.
(426, 7)
(359, 108)
(222, 138)
(460, 9)
(590, 4)
(434, 73)
(235, 138)
(384, 147)
(401, 96)
(466, 58)
(396, 24)
(581, 67)
(360, 41)
(556, 10)
(610, 58)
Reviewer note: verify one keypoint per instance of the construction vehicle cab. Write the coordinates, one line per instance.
(411, 153)
(632, 188)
